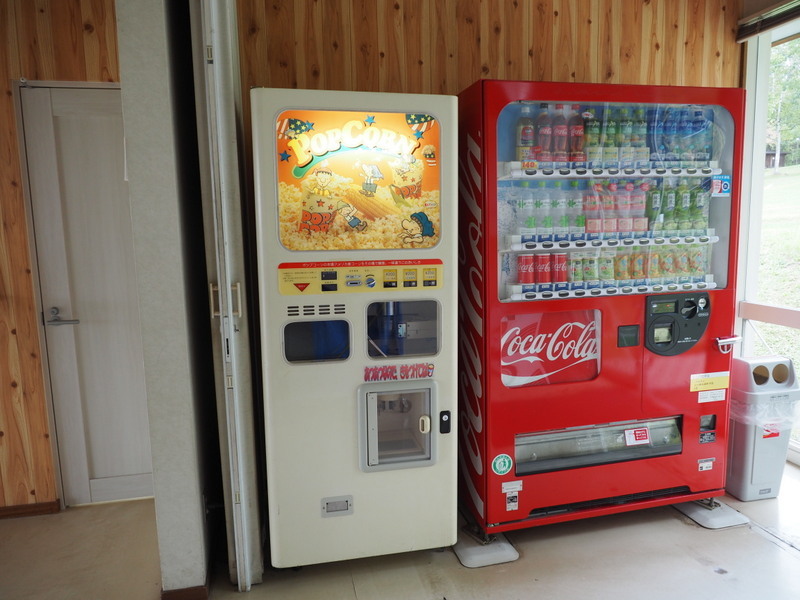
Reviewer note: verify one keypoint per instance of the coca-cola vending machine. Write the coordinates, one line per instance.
(598, 240)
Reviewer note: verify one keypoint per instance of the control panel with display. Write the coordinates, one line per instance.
(310, 278)
(676, 322)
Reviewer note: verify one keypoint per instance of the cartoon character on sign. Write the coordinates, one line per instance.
(417, 227)
(371, 174)
(322, 178)
(348, 212)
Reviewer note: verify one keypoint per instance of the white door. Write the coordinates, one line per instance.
(84, 251)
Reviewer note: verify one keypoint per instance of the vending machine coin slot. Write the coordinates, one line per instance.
(676, 322)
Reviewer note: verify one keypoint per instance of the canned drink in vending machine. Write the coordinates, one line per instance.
(525, 269)
(544, 277)
(559, 271)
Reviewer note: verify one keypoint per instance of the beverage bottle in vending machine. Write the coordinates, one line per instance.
(687, 139)
(624, 138)
(526, 213)
(683, 207)
(703, 131)
(639, 129)
(700, 204)
(624, 127)
(653, 209)
(558, 204)
(575, 214)
(544, 215)
(655, 137)
(638, 208)
(608, 205)
(671, 139)
(668, 202)
(576, 130)
(560, 136)
(622, 266)
(622, 206)
(525, 134)
(608, 134)
(637, 265)
(641, 153)
(593, 211)
(544, 133)
(609, 139)
(592, 128)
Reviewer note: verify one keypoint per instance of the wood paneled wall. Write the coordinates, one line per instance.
(442, 46)
(65, 40)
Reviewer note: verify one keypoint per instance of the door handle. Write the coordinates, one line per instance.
(57, 320)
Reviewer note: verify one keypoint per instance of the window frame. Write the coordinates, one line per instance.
(757, 71)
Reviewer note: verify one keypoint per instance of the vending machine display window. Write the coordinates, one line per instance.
(598, 199)
(350, 180)
(396, 427)
(597, 445)
(316, 341)
(405, 328)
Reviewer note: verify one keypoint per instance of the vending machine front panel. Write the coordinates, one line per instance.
(356, 199)
(599, 229)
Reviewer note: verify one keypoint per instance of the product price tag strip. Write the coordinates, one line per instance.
(517, 292)
(514, 243)
(515, 170)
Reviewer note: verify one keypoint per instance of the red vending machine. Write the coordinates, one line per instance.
(598, 240)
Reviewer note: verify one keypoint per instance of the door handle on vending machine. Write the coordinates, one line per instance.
(424, 424)
(725, 345)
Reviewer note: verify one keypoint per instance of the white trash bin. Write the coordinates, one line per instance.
(764, 397)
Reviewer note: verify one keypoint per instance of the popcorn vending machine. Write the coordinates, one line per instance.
(356, 218)
(599, 232)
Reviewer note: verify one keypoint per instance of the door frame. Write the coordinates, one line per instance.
(17, 86)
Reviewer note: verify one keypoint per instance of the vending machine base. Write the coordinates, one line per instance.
(473, 552)
(712, 514)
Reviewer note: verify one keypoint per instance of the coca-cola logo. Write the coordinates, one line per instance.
(470, 318)
(537, 349)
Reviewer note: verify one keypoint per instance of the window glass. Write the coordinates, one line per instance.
(316, 341)
(408, 328)
(779, 252)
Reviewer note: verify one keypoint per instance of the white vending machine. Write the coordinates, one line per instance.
(356, 218)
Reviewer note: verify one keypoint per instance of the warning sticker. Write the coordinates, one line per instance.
(711, 396)
(637, 437)
(709, 381)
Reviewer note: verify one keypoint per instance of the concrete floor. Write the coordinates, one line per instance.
(109, 552)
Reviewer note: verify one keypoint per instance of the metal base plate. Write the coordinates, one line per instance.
(473, 553)
(712, 515)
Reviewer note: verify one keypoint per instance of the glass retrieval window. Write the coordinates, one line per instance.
(405, 328)
(316, 341)
(396, 427)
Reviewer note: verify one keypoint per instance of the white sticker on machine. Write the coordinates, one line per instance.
(512, 501)
(711, 396)
(705, 464)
